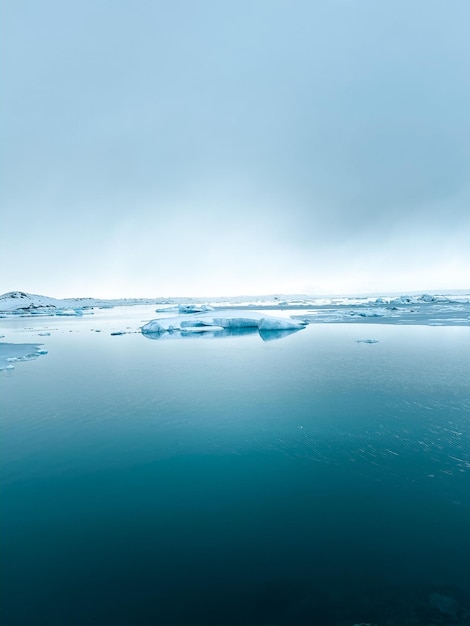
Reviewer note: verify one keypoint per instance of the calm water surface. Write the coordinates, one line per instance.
(310, 480)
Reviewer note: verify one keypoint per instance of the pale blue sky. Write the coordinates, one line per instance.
(208, 147)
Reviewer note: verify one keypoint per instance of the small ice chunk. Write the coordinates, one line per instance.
(194, 308)
(369, 313)
(119, 332)
(154, 326)
(426, 297)
(367, 341)
(44, 334)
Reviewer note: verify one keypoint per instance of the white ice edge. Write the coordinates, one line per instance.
(12, 353)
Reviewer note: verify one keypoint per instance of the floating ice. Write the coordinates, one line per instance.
(367, 341)
(155, 326)
(194, 308)
(230, 324)
(17, 352)
(369, 313)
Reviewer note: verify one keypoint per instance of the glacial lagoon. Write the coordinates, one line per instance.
(319, 479)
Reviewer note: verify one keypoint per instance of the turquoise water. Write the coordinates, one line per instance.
(310, 480)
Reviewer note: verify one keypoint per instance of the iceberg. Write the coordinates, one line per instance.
(230, 324)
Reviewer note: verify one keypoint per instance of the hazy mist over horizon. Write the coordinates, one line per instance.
(203, 148)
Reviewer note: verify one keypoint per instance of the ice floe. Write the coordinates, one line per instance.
(12, 353)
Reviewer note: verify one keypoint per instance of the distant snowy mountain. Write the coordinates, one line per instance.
(21, 301)
(15, 300)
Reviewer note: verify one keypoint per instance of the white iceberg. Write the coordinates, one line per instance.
(230, 323)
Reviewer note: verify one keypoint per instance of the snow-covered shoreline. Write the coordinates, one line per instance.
(429, 309)
(26, 304)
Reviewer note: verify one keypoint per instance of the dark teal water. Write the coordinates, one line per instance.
(311, 480)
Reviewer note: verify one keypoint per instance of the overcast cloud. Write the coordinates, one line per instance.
(200, 147)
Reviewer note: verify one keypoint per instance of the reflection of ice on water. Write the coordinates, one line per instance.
(220, 333)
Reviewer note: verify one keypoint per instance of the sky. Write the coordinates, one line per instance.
(208, 147)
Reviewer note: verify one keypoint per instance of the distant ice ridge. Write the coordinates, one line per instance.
(28, 304)
(424, 308)
(233, 321)
(15, 352)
